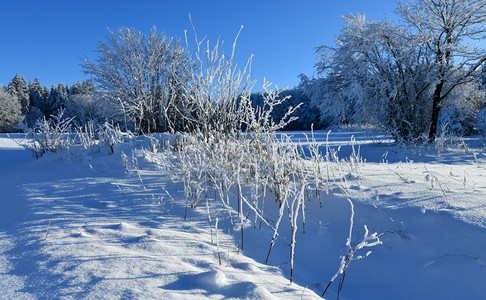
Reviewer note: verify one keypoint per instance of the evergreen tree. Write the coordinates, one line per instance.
(87, 88)
(36, 98)
(56, 99)
(75, 89)
(45, 95)
(80, 104)
(36, 94)
(18, 87)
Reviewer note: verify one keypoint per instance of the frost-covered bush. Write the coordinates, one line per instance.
(457, 120)
(58, 133)
(10, 111)
(243, 170)
(100, 137)
(109, 135)
(229, 164)
(50, 135)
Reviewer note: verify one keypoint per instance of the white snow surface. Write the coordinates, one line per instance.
(76, 225)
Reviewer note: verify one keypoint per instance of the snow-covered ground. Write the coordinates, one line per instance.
(79, 225)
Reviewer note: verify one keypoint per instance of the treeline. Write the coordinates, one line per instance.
(24, 103)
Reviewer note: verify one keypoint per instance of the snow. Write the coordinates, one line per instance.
(80, 225)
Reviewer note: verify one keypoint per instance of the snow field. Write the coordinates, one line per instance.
(82, 226)
(110, 236)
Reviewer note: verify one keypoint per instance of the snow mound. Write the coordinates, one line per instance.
(216, 282)
(214, 279)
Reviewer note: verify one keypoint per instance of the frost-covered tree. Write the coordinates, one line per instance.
(36, 95)
(451, 30)
(56, 100)
(10, 112)
(75, 89)
(37, 99)
(18, 87)
(325, 94)
(377, 74)
(402, 75)
(80, 104)
(82, 108)
(87, 88)
(140, 76)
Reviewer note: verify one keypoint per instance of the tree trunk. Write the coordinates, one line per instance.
(435, 111)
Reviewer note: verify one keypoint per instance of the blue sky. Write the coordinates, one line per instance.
(47, 39)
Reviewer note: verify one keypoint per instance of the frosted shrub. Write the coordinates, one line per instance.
(57, 133)
(99, 137)
(50, 135)
(240, 170)
(109, 135)
(233, 158)
(86, 134)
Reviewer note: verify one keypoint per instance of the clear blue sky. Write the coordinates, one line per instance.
(46, 39)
